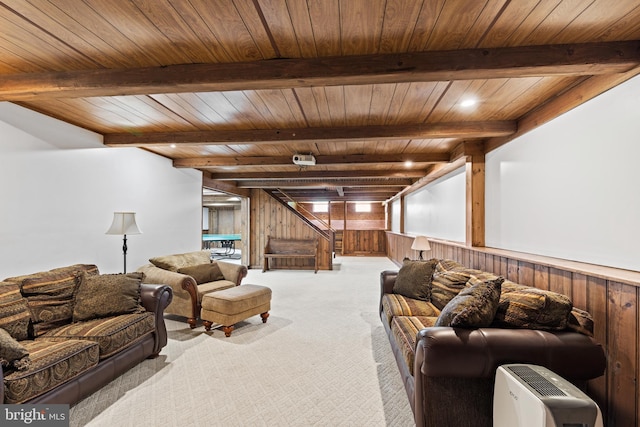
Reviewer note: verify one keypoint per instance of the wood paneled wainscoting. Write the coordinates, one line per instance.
(611, 295)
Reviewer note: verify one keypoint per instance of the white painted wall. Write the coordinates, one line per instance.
(59, 187)
(569, 189)
(438, 209)
(395, 215)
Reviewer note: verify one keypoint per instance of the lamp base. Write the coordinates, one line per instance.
(124, 252)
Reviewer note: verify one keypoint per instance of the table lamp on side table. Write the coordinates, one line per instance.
(421, 243)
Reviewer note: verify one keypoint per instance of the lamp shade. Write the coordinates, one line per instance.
(420, 243)
(124, 223)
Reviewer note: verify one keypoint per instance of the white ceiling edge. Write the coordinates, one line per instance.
(53, 131)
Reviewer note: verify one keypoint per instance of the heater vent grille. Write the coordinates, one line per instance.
(540, 384)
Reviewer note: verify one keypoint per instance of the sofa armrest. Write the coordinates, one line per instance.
(185, 290)
(387, 280)
(454, 364)
(155, 298)
(477, 353)
(233, 272)
(182, 284)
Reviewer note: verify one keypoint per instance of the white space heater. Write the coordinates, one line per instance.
(533, 396)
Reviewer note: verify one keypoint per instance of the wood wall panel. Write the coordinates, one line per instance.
(364, 242)
(270, 218)
(622, 353)
(611, 296)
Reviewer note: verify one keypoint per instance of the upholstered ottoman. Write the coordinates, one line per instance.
(229, 306)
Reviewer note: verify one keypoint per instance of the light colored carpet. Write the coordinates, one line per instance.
(322, 359)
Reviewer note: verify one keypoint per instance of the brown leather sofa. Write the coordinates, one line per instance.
(449, 373)
(74, 359)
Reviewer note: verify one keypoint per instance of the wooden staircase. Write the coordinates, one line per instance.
(337, 242)
(325, 232)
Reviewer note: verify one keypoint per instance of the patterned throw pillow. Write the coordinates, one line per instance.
(532, 308)
(13, 355)
(50, 299)
(14, 312)
(473, 307)
(49, 295)
(446, 285)
(203, 273)
(414, 279)
(107, 295)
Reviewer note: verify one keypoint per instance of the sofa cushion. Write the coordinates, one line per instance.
(50, 295)
(178, 261)
(52, 363)
(405, 330)
(399, 305)
(474, 306)
(107, 295)
(203, 273)
(527, 307)
(13, 355)
(15, 316)
(111, 333)
(218, 285)
(414, 279)
(90, 268)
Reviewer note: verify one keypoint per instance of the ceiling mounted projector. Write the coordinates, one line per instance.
(304, 159)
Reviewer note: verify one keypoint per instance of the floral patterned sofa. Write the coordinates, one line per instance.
(67, 332)
(451, 327)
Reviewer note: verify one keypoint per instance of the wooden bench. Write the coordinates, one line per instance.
(291, 249)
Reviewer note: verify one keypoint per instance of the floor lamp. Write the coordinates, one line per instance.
(421, 243)
(124, 223)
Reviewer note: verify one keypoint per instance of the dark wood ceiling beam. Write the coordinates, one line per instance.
(224, 186)
(468, 64)
(466, 149)
(305, 173)
(484, 129)
(335, 197)
(398, 183)
(379, 193)
(435, 172)
(214, 161)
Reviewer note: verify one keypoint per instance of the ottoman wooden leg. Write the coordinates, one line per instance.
(192, 322)
(207, 325)
(264, 317)
(227, 330)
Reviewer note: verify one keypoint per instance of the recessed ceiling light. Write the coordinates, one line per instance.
(408, 164)
(468, 103)
(172, 145)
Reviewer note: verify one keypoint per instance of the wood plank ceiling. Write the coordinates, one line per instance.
(235, 88)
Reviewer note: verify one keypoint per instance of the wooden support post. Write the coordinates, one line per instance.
(402, 213)
(475, 218)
